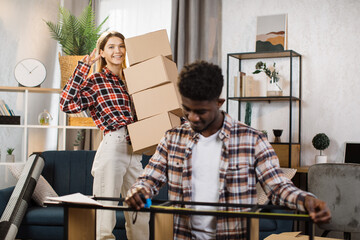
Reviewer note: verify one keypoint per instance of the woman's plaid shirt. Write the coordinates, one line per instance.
(246, 157)
(104, 94)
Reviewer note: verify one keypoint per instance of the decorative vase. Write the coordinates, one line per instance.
(273, 88)
(67, 65)
(10, 158)
(277, 134)
(320, 159)
(44, 118)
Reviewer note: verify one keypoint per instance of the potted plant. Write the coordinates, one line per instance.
(10, 157)
(79, 140)
(273, 87)
(321, 142)
(77, 37)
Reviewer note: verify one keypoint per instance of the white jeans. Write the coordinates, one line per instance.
(115, 169)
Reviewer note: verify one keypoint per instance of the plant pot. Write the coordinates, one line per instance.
(277, 134)
(67, 67)
(10, 158)
(320, 159)
(76, 147)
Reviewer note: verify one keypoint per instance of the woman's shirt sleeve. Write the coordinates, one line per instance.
(78, 93)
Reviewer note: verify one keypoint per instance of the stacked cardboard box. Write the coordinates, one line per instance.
(151, 81)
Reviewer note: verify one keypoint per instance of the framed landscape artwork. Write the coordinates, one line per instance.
(271, 33)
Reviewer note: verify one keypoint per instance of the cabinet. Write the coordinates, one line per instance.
(275, 111)
(29, 129)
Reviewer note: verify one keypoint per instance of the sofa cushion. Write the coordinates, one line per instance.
(42, 189)
(49, 216)
(261, 195)
(69, 171)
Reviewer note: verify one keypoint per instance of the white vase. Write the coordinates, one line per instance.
(273, 88)
(10, 158)
(320, 159)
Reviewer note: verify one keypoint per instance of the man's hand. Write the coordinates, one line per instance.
(318, 210)
(133, 198)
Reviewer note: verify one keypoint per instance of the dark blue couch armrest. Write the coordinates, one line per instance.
(5, 195)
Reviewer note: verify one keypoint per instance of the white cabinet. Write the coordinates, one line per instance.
(30, 133)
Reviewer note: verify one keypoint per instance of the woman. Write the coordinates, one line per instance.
(104, 93)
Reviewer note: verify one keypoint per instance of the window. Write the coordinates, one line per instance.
(135, 17)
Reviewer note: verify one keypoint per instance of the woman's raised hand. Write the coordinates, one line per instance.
(89, 59)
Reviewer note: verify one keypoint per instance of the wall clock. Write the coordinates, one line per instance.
(30, 72)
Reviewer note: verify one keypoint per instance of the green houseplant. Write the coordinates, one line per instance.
(320, 142)
(273, 87)
(10, 157)
(77, 37)
(79, 140)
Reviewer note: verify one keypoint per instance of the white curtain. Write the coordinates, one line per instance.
(134, 17)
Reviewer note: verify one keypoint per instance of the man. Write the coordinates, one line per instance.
(213, 158)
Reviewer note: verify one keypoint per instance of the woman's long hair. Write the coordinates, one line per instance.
(100, 44)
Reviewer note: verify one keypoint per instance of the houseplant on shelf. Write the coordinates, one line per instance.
(78, 143)
(10, 157)
(273, 88)
(77, 37)
(321, 142)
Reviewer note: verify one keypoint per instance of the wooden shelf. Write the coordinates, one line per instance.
(288, 152)
(280, 98)
(60, 126)
(30, 89)
(255, 55)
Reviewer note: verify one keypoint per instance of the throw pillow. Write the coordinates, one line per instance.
(42, 189)
(261, 195)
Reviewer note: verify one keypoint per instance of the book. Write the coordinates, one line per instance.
(242, 78)
(4, 109)
(236, 87)
(9, 110)
(77, 198)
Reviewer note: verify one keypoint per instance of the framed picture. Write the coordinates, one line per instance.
(271, 34)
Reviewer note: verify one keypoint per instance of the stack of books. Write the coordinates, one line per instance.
(7, 115)
(5, 110)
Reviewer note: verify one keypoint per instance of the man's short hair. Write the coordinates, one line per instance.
(201, 81)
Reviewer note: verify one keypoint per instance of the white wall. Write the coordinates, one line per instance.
(24, 34)
(326, 33)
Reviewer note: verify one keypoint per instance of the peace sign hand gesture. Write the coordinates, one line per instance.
(89, 59)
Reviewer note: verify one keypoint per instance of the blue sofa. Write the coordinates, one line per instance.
(69, 172)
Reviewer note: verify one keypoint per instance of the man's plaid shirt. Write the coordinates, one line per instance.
(104, 94)
(246, 157)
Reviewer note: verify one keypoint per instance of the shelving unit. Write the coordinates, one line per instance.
(25, 126)
(288, 152)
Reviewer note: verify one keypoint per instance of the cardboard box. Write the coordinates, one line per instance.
(144, 47)
(146, 134)
(151, 73)
(154, 101)
(294, 236)
(282, 151)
